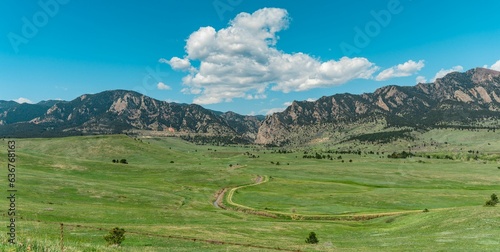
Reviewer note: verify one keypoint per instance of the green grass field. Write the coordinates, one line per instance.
(164, 197)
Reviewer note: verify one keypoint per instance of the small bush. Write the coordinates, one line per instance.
(312, 238)
(493, 200)
(490, 203)
(115, 236)
(123, 161)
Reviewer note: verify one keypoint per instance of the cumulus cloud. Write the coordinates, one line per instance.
(177, 63)
(242, 61)
(402, 70)
(421, 79)
(21, 100)
(444, 72)
(163, 86)
(496, 66)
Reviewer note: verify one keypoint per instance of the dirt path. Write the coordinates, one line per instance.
(219, 196)
(259, 179)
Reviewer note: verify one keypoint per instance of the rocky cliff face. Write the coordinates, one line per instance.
(113, 111)
(246, 126)
(120, 110)
(455, 97)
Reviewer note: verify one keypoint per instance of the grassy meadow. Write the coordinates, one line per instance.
(164, 196)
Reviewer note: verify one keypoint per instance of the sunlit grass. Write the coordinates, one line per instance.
(163, 198)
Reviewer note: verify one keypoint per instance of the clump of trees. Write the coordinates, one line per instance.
(115, 236)
(385, 137)
(250, 155)
(121, 161)
(312, 239)
(492, 201)
(402, 154)
(317, 156)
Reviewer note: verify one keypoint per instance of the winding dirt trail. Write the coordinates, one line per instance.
(219, 197)
(259, 180)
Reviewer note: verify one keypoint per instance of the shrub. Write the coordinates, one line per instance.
(312, 238)
(490, 203)
(115, 236)
(493, 200)
(123, 161)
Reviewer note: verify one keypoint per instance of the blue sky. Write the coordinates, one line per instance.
(251, 57)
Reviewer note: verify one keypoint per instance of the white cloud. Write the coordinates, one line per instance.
(178, 64)
(444, 72)
(421, 79)
(23, 100)
(255, 97)
(242, 61)
(312, 99)
(402, 70)
(275, 110)
(162, 86)
(496, 66)
(272, 111)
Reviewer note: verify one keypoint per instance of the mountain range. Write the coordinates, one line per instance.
(456, 99)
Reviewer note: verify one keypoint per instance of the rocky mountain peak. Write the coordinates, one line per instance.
(483, 75)
(117, 111)
(454, 97)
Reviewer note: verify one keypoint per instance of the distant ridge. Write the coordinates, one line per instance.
(456, 99)
(119, 111)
